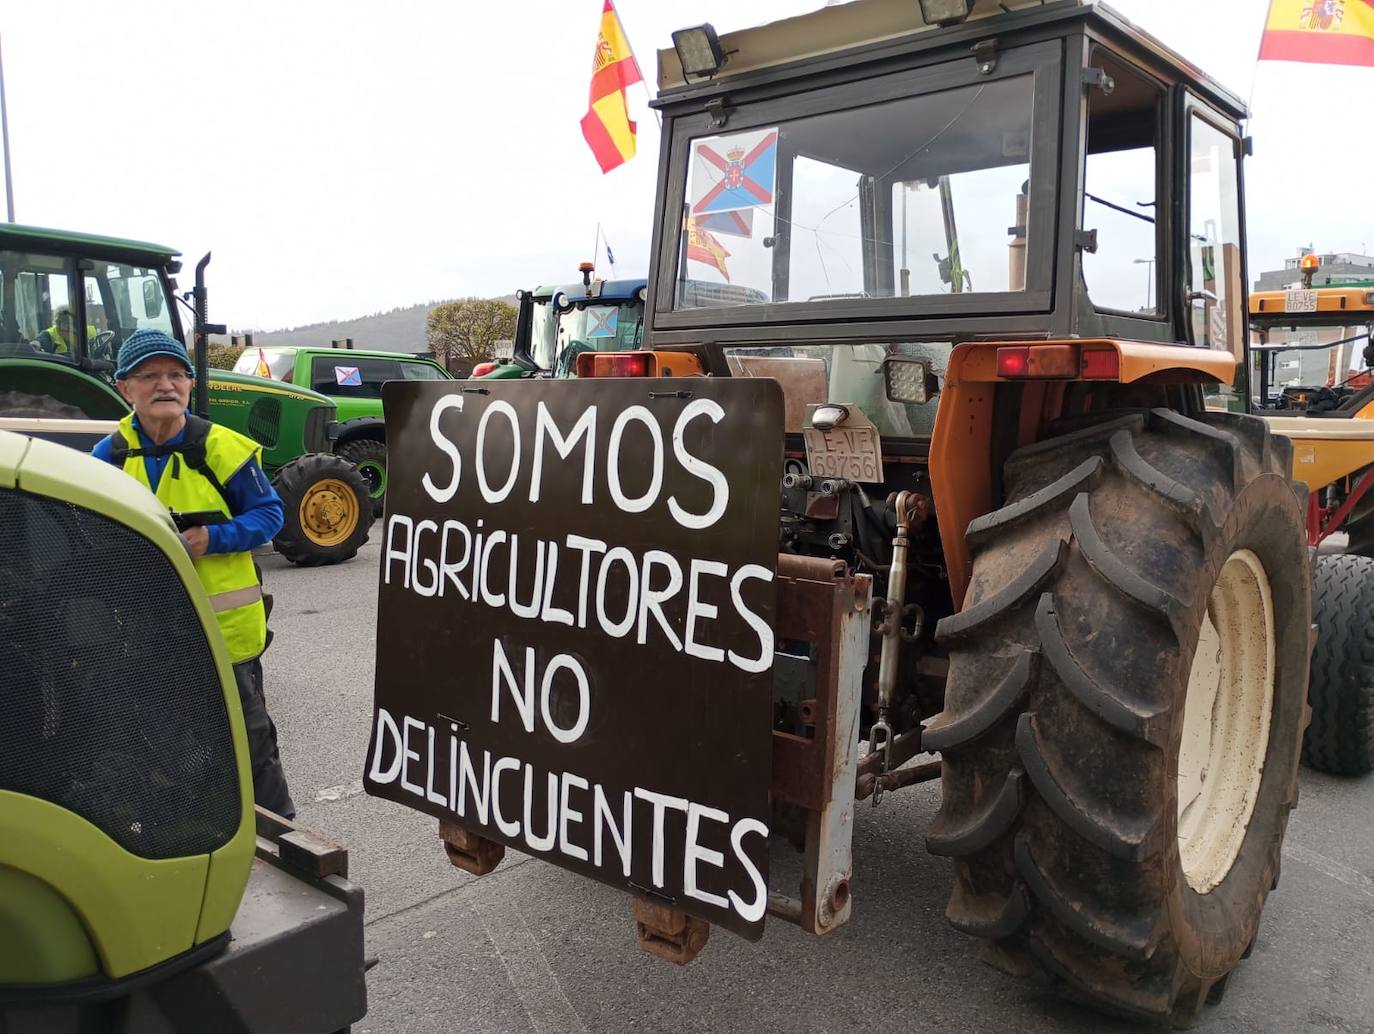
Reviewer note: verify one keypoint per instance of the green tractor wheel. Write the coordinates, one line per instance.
(369, 456)
(328, 510)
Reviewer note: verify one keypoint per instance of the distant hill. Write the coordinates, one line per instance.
(400, 330)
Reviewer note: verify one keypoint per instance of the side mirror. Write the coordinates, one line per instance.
(909, 380)
(152, 298)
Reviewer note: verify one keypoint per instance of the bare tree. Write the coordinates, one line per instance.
(469, 329)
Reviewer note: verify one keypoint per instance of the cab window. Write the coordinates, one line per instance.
(423, 372)
(1121, 190)
(121, 299)
(37, 296)
(345, 376)
(1215, 284)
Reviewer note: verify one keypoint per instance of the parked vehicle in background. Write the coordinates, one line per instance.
(1315, 361)
(556, 324)
(114, 287)
(352, 379)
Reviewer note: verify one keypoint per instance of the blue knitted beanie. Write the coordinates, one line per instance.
(144, 344)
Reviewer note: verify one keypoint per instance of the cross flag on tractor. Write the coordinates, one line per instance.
(1324, 32)
(607, 126)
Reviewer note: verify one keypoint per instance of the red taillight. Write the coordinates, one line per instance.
(1012, 362)
(482, 369)
(1057, 362)
(1101, 364)
(614, 364)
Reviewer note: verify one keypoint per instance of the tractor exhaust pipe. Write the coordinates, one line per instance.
(201, 330)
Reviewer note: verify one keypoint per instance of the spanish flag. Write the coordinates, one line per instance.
(262, 369)
(1325, 32)
(607, 126)
(703, 247)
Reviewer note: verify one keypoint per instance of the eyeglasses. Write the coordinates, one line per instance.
(175, 376)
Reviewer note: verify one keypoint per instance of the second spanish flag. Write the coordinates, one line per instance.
(607, 126)
(1336, 32)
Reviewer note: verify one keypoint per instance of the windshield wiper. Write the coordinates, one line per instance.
(1122, 208)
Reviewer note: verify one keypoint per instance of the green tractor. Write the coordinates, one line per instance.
(140, 891)
(352, 380)
(67, 303)
(557, 324)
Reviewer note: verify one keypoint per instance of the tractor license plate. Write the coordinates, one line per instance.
(852, 453)
(1300, 301)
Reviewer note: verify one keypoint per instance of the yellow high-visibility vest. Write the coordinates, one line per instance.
(230, 579)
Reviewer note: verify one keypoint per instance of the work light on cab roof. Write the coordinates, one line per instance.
(945, 12)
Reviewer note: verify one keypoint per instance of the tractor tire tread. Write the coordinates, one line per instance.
(1340, 739)
(1068, 665)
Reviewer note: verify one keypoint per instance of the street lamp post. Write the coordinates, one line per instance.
(1149, 283)
(5, 144)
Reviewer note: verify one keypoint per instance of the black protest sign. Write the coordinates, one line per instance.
(575, 626)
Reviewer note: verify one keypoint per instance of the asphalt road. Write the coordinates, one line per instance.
(533, 948)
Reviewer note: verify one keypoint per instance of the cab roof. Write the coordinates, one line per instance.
(15, 237)
(794, 45)
(365, 353)
(602, 291)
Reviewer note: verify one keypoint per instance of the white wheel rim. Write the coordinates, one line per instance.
(1226, 722)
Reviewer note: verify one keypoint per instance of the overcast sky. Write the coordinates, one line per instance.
(342, 157)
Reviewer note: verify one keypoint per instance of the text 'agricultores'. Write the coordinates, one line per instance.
(575, 635)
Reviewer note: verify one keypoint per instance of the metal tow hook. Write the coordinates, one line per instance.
(880, 736)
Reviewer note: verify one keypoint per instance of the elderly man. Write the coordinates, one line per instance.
(196, 467)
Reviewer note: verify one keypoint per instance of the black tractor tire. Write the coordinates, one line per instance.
(1064, 711)
(1360, 538)
(1359, 527)
(22, 405)
(1340, 740)
(369, 456)
(328, 510)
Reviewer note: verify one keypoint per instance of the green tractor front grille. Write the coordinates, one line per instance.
(113, 706)
(264, 421)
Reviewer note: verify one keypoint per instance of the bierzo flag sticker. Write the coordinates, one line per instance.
(348, 376)
(734, 172)
(575, 627)
(602, 320)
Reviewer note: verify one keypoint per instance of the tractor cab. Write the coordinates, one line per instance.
(67, 303)
(1048, 174)
(556, 324)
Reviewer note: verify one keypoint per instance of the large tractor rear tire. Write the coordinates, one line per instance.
(1340, 739)
(328, 510)
(1125, 708)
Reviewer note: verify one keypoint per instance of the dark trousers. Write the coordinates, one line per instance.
(269, 781)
